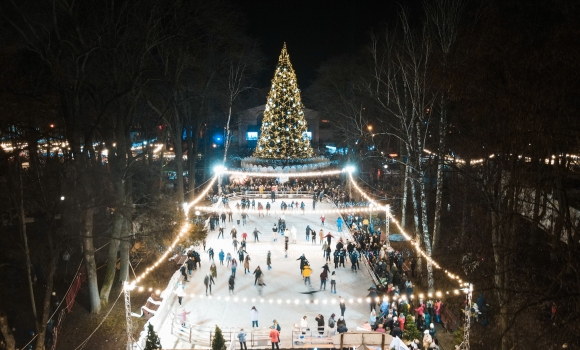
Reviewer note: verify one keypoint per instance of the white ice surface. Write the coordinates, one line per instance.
(283, 282)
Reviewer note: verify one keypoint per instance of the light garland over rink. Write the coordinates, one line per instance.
(184, 229)
(307, 174)
(295, 211)
(333, 300)
(407, 236)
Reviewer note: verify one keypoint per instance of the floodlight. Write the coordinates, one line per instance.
(218, 169)
(350, 168)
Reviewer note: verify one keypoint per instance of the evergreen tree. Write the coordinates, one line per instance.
(283, 131)
(153, 342)
(411, 332)
(218, 342)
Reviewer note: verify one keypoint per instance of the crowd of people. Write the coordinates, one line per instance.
(393, 277)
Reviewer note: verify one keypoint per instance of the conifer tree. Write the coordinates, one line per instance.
(411, 332)
(218, 342)
(283, 131)
(153, 342)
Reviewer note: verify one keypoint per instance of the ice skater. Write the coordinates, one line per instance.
(208, 281)
(183, 317)
(221, 255)
(275, 232)
(231, 284)
(269, 260)
(256, 235)
(306, 272)
(329, 238)
(286, 239)
(260, 286)
(303, 262)
(258, 274)
(247, 264)
(333, 282)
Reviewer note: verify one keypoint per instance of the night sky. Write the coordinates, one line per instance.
(314, 30)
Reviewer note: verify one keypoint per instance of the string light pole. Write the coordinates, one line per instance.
(387, 225)
(128, 319)
(466, 327)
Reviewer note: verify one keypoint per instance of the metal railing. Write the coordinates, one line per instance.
(203, 336)
(311, 337)
(363, 257)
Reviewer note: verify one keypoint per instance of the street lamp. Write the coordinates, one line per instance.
(370, 127)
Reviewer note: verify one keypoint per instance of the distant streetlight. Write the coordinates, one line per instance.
(62, 198)
(370, 127)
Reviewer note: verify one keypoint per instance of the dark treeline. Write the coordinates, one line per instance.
(78, 81)
(490, 89)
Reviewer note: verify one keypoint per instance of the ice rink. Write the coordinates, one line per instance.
(282, 297)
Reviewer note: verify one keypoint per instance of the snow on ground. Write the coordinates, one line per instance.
(283, 282)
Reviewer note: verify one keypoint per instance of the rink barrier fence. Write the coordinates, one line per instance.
(199, 335)
(350, 236)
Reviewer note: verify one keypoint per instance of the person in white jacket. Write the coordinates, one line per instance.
(293, 234)
(254, 316)
(180, 294)
(304, 325)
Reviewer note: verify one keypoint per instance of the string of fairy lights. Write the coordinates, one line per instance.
(185, 226)
(238, 173)
(229, 298)
(374, 206)
(415, 243)
(289, 211)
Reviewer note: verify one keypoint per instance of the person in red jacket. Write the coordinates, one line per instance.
(402, 322)
(274, 338)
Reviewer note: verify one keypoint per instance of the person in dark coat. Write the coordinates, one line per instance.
(183, 272)
(397, 332)
(231, 284)
(190, 265)
(208, 281)
(258, 273)
(341, 325)
(320, 320)
(302, 259)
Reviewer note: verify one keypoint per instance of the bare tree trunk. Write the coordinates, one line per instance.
(114, 241)
(179, 164)
(464, 211)
(125, 251)
(89, 252)
(417, 226)
(7, 332)
(405, 191)
(46, 302)
(426, 238)
(192, 161)
(439, 190)
(22, 217)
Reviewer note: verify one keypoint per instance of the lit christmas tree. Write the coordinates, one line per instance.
(283, 132)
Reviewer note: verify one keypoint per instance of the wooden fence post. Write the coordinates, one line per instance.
(341, 340)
